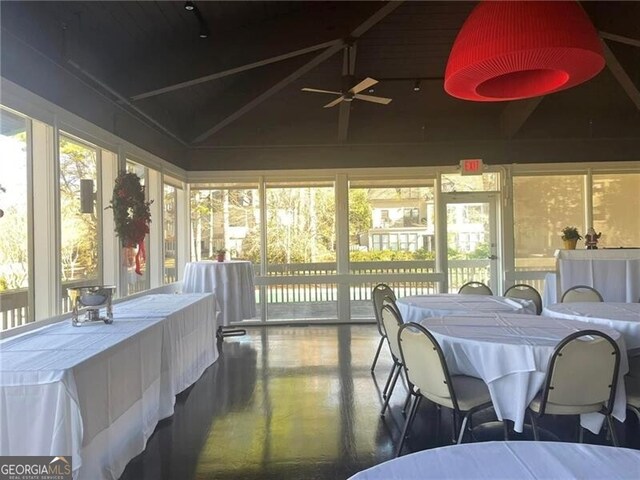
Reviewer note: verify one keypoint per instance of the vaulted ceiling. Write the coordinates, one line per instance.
(240, 88)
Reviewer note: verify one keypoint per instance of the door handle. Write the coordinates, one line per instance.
(492, 257)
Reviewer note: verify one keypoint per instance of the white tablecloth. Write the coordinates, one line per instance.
(231, 281)
(96, 392)
(511, 460)
(614, 273)
(623, 317)
(415, 308)
(511, 354)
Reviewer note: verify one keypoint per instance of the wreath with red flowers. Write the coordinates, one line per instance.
(131, 213)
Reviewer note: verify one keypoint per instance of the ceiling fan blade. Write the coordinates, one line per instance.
(315, 90)
(371, 98)
(334, 102)
(363, 85)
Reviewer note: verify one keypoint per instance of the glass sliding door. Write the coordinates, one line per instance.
(14, 222)
(301, 251)
(80, 217)
(169, 218)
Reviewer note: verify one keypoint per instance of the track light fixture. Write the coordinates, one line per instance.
(416, 86)
(204, 28)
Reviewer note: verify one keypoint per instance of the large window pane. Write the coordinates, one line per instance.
(136, 283)
(542, 206)
(14, 231)
(169, 232)
(616, 209)
(79, 231)
(391, 231)
(301, 242)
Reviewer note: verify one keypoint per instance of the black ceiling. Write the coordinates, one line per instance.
(127, 49)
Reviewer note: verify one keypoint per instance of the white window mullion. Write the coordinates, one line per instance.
(110, 244)
(46, 231)
(155, 255)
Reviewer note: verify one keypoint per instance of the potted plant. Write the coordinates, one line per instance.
(220, 254)
(570, 237)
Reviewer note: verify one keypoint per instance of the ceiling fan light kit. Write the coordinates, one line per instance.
(511, 50)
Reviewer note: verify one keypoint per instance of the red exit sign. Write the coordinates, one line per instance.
(471, 166)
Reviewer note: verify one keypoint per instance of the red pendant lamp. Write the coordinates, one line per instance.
(510, 50)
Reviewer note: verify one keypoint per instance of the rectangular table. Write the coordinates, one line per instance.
(615, 273)
(96, 392)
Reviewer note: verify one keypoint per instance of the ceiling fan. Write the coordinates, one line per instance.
(351, 93)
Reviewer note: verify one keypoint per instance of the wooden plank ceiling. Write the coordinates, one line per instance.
(241, 86)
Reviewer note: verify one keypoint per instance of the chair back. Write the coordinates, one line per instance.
(379, 293)
(583, 371)
(475, 288)
(525, 292)
(425, 365)
(581, 293)
(391, 322)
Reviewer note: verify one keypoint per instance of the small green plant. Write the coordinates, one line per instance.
(570, 233)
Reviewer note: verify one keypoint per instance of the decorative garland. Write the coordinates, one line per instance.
(131, 214)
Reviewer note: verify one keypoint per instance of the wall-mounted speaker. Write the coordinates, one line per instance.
(86, 196)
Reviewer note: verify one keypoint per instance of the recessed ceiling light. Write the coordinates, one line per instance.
(189, 6)
(416, 86)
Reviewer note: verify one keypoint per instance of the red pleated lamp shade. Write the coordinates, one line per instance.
(510, 50)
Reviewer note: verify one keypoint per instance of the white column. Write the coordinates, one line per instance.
(342, 246)
(110, 243)
(183, 230)
(46, 240)
(155, 255)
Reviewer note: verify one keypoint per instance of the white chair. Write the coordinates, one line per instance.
(581, 378)
(525, 292)
(391, 322)
(428, 377)
(378, 294)
(581, 293)
(475, 288)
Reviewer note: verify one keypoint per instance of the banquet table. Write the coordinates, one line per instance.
(623, 317)
(511, 353)
(511, 460)
(96, 392)
(415, 308)
(232, 283)
(615, 273)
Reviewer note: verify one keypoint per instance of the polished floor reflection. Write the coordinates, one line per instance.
(299, 402)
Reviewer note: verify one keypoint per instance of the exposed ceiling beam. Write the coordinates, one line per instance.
(516, 113)
(317, 60)
(232, 71)
(623, 78)
(348, 70)
(620, 39)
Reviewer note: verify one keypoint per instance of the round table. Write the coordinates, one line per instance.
(513, 460)
(623, 317)
(232, 283)
(511, 353)
(415, 308)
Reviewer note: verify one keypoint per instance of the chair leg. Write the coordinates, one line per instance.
(463, 426)
(375, 359)
(534, 427)
(386, 385)
(393, 384)
(612, 429)
(407, 424)
(406, 403)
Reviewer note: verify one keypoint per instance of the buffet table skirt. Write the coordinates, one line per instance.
(511, 460)
(96, 392)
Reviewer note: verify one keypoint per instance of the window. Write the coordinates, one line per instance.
(79, 217)
(542, 206)
(14, 225)
(136, 283)
(616, 203)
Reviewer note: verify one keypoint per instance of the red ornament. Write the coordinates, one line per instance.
(509, 50)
